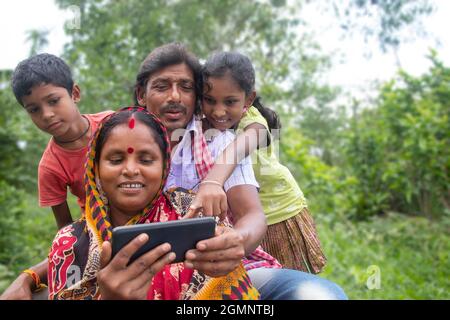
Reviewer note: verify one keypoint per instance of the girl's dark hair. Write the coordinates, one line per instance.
(123, 117)
(40, 69)
(165, 56)
(241, 70)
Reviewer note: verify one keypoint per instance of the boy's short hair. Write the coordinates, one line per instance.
(40, 69)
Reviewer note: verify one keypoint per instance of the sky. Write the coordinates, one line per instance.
(354, 71)
(351, 69)
(19, 16)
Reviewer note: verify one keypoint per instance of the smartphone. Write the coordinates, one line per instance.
(182, 235)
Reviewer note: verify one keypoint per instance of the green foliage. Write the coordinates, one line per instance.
(393, 156)
(317, 180)
(106, 55)
(407, 251)
(12, 207)
(323, 124)
(383, 19)
(26, 232)
(399, 150)
(411, 254)
(38, 40)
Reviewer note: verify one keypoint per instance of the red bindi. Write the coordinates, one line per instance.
(131, 123)
(130, 150)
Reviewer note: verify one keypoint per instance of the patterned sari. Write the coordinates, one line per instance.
(74, 258)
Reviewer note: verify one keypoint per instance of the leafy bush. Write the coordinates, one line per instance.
(12, 207)
(399, 150)
(26, 234)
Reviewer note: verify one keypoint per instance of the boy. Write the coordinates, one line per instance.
(43, 85)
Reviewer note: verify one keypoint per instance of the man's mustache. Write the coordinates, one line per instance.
(175, 107)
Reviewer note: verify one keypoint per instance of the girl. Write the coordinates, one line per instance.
(230, 102)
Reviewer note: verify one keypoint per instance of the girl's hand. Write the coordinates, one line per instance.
(118, 280)
(210, 200)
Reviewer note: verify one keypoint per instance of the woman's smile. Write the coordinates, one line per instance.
(131, 188)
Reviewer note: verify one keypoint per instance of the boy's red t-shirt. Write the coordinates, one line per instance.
(60, 168)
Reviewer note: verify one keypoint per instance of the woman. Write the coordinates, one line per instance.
(128, 164)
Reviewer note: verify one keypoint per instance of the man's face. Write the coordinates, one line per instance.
(170, 95)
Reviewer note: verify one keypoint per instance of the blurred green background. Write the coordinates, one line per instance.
(375, 171)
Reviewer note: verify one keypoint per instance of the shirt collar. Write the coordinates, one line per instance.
(191, 126)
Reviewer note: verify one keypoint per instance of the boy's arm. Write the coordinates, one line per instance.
(24, 285)
(62, 214)
(211, 198)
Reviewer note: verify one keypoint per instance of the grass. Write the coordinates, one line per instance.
(410, 255)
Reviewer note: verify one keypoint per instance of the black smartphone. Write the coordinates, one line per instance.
(182, 235)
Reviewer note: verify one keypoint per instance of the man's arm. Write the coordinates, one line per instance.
(221, 254)
(248, 215)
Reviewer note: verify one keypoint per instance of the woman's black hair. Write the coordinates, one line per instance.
(123, 117)
(241, 70)
(165, 56)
